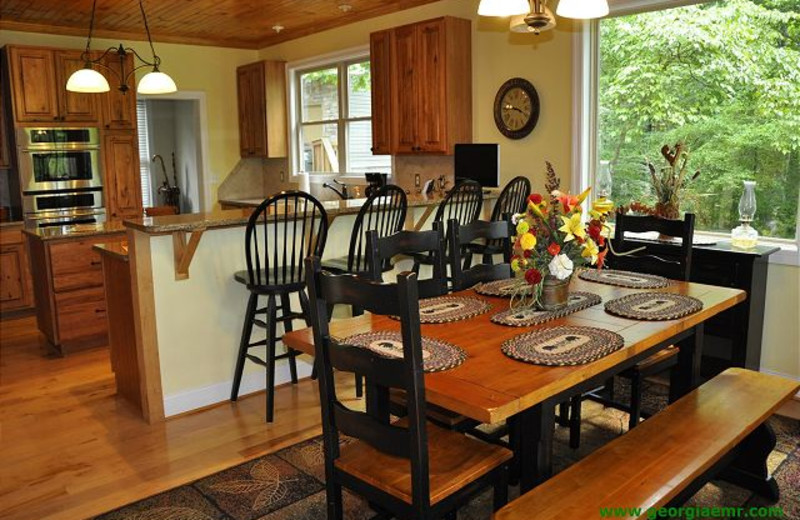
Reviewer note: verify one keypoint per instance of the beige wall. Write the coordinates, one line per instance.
(781, 341)
(194, 68)
(497, 56)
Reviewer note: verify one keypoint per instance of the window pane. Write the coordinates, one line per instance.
(320, 145)
(721, 77)
(358, 90)
(319, 92)
(359, 155)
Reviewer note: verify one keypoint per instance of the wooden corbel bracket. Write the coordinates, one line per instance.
(183, 251)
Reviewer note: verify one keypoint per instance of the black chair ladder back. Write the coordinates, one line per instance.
(280, 233)
(651, 257)
(512, 200)
(372, 428)
(430, 243)
(385, 213)
(465, 276)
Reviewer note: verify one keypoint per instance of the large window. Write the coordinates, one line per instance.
(333, 119)
(723, 77)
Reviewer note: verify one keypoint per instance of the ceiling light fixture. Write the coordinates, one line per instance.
(538, 17)
(503, 7)
(88, 80)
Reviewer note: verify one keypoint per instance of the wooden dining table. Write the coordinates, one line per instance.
(491, 387)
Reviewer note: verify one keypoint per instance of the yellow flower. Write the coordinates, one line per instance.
(528, 241)
(572, 227)
(535, 209)
(522, 227)
(590, 250)
(515, 265)
(583, 195)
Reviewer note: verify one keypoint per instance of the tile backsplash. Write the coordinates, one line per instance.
(406, 167)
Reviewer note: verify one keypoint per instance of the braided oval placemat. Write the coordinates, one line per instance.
(627, 279)
(654, 306)
(501, 288)
(562, 345)
(446, 309)
(437, 355)
(527, 317)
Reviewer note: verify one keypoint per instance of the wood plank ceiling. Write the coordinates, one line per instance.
(226, 23)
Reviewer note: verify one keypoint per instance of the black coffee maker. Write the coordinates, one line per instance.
(375, 181)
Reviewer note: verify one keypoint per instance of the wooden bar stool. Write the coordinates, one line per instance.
(280, 233)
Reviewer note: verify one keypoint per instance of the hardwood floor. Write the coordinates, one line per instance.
(70, 449)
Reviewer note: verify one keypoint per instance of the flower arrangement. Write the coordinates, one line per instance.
(669, 183)
(554, 234)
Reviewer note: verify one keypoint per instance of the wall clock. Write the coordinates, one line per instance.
(516, 108)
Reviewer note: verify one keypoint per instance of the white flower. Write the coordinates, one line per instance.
(515, 218)
(561, 266)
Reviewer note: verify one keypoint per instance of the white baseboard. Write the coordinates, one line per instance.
(251, 382)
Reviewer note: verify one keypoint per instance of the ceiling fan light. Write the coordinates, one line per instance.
(503, 7)
(87, 81)
(533, 22)
(582, 9)
(156, 82)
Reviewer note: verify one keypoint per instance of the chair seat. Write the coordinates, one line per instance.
(335, 264)
(455, 460)
(280, 284)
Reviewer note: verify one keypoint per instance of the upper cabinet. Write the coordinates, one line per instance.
(119, 108)
(261, 89)
(38, 81)
(422, 87)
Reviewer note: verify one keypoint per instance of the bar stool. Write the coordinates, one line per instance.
(281, 232)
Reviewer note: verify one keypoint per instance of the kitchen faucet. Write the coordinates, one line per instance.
(341, 193)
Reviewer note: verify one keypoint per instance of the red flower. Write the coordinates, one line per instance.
(595, 230)
(601, 258)
(533, 276)
(535, 198)
(527, 253)
(554, 249)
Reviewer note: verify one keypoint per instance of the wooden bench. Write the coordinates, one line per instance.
(716, 431)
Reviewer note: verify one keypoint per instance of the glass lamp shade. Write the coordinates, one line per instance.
(87, 81)
(603, 181)
(582, 9)
(503, 7)
(156, 82)
(747, 203)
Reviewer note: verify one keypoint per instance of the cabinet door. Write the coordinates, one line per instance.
(252, 123)
(14, 287)
(33, 79)
(243, 93)
(123, 186)
(432, 96)
(404, 77)
(119, 108)
(380, 52)
(5, 158)
(73, 107)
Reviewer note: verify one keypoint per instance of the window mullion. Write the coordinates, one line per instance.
(343, 111)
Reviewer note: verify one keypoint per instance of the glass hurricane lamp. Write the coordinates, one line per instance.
(745, 236)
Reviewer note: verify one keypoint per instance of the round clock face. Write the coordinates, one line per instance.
(516, 108)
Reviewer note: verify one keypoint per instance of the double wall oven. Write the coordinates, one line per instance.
(60, 175)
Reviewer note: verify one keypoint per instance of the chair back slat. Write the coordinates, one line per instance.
(384, 212)
(460, 236)
(398, 299)
(513, 199)
(664, 259)
(347, 358)
(384, 437)
(382, 250)
(280, 232)
(463, 203)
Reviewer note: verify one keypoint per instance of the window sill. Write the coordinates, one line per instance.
(788, 254)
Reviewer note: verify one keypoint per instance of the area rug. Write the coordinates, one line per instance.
(289, 484)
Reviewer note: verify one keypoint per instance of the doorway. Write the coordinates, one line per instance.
(172, 151)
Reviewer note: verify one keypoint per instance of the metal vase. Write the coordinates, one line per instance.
(555, 293)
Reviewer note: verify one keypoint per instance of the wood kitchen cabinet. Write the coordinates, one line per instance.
(16, 292)
(119, 108)
(261, 90)
(123, 191)
(425, 69)
(5, 150)
(38, 82)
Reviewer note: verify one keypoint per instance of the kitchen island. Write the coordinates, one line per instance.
(188, 309)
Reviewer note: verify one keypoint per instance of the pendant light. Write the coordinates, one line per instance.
(88, 80)
(582, 9)
(503, 7)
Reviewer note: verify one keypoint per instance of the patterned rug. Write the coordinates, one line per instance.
(289, 484)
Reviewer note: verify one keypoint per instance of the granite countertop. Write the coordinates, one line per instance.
(76, 230)
(238, 217)
(11, 223)
(117, 250)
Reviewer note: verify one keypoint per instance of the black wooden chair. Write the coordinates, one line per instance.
(381, 251)
(461, 237)
(410, 469)
(463, 203)
(513, 199)
(282, 231)
(670, 260)
(385, 212)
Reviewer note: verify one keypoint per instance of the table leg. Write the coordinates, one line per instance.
(532, 442)
(377, 400)
(686, 376)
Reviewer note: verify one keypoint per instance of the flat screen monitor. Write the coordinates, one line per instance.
(479, 162)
